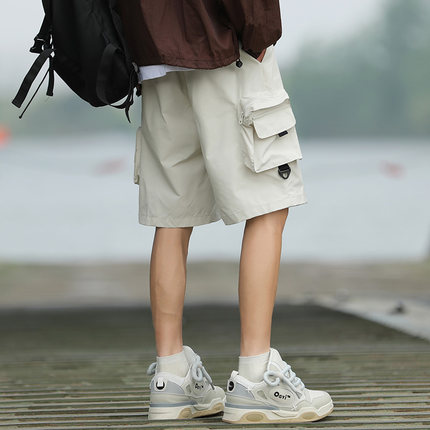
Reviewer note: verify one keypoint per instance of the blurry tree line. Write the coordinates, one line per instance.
(374, 83)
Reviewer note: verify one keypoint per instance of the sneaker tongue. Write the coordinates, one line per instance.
(275, 362)
(189, 353)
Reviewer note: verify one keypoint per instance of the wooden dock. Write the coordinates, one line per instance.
(86, 368)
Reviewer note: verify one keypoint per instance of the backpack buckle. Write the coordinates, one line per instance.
(37, 47)
(40, 44)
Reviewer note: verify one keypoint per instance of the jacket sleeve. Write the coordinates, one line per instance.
(257, 23)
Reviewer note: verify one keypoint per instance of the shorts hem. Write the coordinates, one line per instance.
(253, 211)
(188, 221)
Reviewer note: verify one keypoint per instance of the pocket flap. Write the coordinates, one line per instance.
(269, 113)
(262, 100)
(274, 120)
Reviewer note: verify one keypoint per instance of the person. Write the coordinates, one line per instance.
(217, 140)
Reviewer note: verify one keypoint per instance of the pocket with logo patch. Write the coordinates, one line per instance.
(268, 130)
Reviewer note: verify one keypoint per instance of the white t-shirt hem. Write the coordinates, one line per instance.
(157, 71)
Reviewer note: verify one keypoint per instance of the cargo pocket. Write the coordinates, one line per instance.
(137, 152)
(268, 130)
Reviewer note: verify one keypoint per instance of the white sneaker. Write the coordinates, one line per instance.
(280, 397)
(176, 397)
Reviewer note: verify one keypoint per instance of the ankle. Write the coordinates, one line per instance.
(169, 350)
(250, 349)
(252, 367)
(175, 363)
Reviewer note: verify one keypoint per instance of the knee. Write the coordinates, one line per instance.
(275, 219)
(279, 217)
(182, 233)
(282, 213)
(181, 230)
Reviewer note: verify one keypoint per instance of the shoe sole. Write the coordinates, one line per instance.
(245, 416)
(183, 413)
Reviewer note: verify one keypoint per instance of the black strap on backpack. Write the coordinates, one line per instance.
(106, 61)
(43, 45)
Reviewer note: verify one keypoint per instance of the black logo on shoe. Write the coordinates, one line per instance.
(160, 387)
(284, 170)
(230, 385)
(198, 386)
(281, 396)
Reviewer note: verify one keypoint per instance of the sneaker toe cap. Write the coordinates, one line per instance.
(218, 393)
(319, 398)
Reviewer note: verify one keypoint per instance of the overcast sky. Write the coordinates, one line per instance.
(301, 19)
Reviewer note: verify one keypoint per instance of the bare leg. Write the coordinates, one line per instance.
(168, 269)
(258, 279)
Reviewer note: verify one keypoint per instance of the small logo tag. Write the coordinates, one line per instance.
(160, 384)
(284, 171)
(281, 396)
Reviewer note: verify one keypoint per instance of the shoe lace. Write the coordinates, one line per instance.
(287, 375)
(151, 368)
(198, 371)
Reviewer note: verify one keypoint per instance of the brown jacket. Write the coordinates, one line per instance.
(203, 34)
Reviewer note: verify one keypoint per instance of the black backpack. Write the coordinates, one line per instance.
(84, 43)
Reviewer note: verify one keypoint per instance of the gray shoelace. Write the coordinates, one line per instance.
(286, 375)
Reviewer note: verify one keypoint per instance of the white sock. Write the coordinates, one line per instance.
(252, 367)
(174, 363)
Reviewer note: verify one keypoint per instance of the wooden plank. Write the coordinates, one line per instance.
(83, 369)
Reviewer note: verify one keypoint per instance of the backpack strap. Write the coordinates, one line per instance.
(103, 77)
(42, 46)
(31, 76)
(109, 52)
(42, 39)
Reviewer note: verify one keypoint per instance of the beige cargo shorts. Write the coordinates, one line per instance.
(217, 144)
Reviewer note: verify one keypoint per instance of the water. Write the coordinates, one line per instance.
(73, 199)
